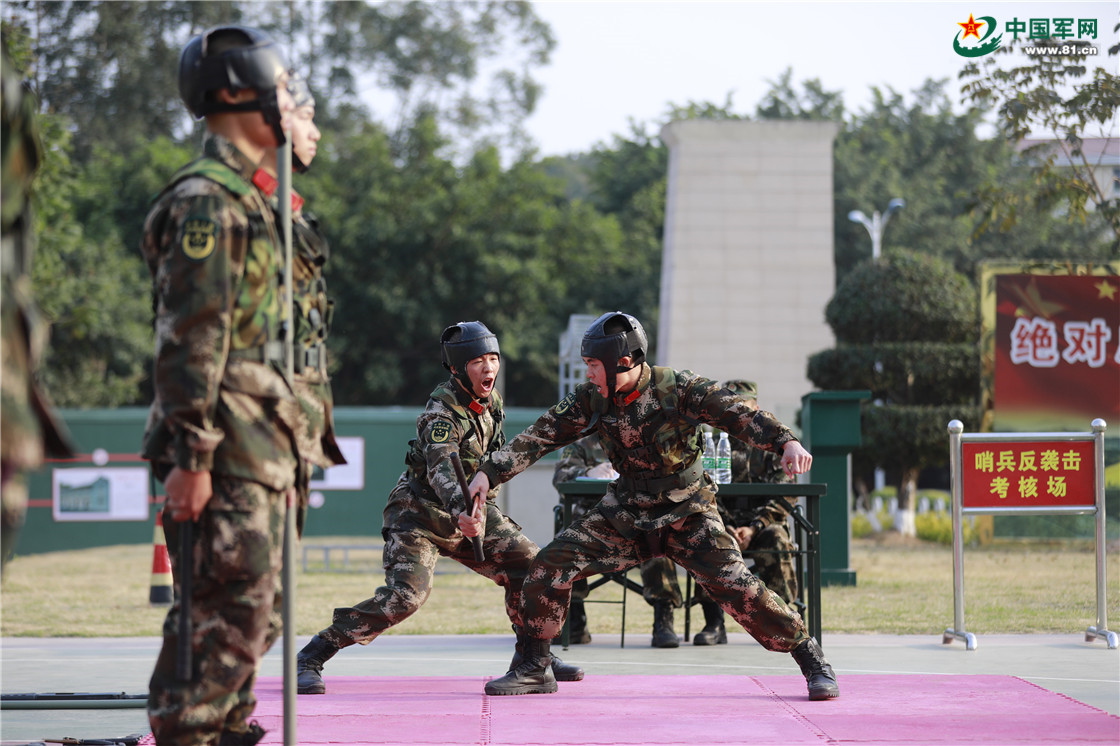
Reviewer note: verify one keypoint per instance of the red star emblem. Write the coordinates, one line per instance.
(971, 27)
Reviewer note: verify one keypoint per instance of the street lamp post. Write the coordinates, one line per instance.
(877, 223)
(875, 226)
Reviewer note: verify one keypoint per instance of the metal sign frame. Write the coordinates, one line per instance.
(957, 437)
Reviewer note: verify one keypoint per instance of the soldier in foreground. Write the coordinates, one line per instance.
(661, 505)
(586, 458)
(221, 430)
(427, 508)
(29, 429)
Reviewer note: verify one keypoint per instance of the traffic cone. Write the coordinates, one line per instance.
(162, 592)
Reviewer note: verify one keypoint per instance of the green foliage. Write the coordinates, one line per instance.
(427, 244)
(937, 526)
(90, 287)
(1050, 94)
(900, 372)
(907, 298)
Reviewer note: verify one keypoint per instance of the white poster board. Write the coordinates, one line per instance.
(100, 494)
(348, 476)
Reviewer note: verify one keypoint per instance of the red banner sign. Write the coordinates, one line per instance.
(1057, 346)
(1041, 474)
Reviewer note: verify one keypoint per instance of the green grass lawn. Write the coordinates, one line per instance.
(903, 587)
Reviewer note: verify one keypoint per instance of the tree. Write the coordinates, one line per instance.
(906, 328)
(1049, 94)
(420, 243)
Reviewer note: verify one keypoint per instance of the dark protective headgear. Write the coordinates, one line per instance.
(612, 336)
(301, 95)
(252, 61)
(460, 343)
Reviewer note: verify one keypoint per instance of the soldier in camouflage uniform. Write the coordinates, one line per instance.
(427, 507)
(29, 430)
(759, 525)
(663, 504)
(660, 589)
(221, 431)
(311, 315)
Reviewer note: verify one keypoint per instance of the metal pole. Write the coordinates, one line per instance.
(1101, 628)
(956, 473)
(876, 231)
(284, 172)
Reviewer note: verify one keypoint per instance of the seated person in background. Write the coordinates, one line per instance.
(759, 524)
(586, 458)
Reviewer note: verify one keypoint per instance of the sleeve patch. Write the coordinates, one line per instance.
(441, 431)
(200, 236)
(566, 403)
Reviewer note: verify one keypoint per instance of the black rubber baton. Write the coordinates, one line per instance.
(479, 555)
(183, 663)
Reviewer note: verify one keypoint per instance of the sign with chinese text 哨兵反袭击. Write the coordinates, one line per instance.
(1031, 474)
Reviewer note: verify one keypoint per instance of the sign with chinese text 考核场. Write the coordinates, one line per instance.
(1038, 474)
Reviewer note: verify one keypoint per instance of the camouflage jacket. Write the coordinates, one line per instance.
(312, 311)
(30, 429)
(651, 437)
(755, 465)
(453, 421)
(222, 403)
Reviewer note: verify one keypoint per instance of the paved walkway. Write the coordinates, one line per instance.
(1087, 672)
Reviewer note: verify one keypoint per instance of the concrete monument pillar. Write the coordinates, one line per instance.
(748, 262)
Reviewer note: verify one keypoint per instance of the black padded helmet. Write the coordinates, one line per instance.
(612, 336)
(301, 96)
(233, 57)
(462, 342)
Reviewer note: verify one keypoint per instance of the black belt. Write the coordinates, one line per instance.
(668, 482)
(269, 352)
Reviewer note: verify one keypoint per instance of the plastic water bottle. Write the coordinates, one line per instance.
(723, 460)
(709, 458)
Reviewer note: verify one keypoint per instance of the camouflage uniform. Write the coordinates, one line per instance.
(312, 311)
(420, 519)
(30, 431)
(661, 505)
(659, 575)
(771, 519)
(222, 405)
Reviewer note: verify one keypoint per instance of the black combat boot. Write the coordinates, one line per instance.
(245, 738)
(818, 674)
(309, 665)
(577, 619)
(663, 634)
(714, 633)
(560, 670)
(532, 675)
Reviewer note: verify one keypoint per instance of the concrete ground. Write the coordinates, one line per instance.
(1085, 671)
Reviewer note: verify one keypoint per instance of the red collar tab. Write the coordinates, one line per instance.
(477, 407)
(631, 396)
(267, 183)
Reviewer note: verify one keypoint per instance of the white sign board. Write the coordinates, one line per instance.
(348, 476)
(100, 494)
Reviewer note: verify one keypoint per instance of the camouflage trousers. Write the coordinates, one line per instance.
(659, 575)
(772, 551)
(700, 544)
(410, 558)
(237, 559)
